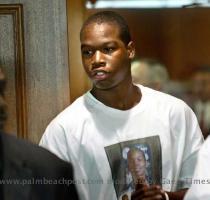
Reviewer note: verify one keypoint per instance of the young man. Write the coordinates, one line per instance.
(116, 114)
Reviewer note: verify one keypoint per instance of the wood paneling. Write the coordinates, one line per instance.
(177, 37)
(79, 82)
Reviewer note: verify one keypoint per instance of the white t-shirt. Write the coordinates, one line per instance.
(200, 189)
(96, 138)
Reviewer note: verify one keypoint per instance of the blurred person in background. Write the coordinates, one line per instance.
(152, 73)
(201, 93)
(149, 72)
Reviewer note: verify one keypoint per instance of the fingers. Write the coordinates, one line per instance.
(140, 186)
(148, 193)
(141, 183)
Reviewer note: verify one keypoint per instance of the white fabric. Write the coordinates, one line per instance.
(200, 189)
(80, 133)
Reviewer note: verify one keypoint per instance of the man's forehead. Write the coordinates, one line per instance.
(101, 24)
(101, 32)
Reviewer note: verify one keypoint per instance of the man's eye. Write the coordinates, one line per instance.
(87, 53)
(109, 49)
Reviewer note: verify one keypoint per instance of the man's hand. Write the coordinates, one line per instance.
(155, 192)
(146, 192)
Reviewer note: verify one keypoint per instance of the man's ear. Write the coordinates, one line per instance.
(131, 50)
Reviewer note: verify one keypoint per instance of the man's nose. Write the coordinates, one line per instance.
(98, 59)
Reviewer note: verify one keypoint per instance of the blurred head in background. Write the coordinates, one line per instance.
(201, 83)
(150, 73)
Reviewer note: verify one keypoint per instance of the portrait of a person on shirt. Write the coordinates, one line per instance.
(137, 165)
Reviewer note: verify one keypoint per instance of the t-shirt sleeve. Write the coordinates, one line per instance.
(54, 140)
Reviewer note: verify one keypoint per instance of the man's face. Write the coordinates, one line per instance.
(137, 164)
(106, 59)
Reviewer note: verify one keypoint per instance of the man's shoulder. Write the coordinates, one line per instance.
(76, 107)
(164, 103)
(161, 96)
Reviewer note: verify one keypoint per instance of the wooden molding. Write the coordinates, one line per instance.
(16, 11)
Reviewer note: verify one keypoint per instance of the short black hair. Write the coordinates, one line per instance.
(112, 18)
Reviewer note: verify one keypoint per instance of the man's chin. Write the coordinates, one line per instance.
(104, 86)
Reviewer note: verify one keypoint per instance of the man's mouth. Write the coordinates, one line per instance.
(100, 75)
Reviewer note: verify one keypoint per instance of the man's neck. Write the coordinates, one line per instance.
(119, 98)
